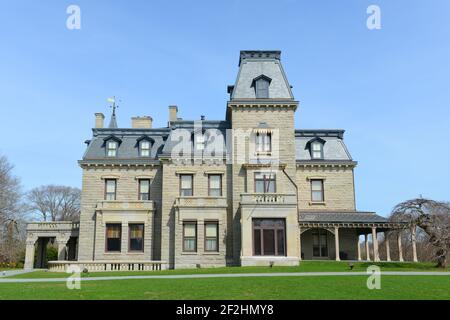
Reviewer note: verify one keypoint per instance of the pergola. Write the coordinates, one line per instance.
(365, 223)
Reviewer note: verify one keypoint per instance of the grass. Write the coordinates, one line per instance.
(305, 266)
(290, 288)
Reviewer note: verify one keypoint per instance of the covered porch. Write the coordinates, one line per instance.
(336, 236)
(63, 234)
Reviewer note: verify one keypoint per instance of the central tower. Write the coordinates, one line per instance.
(263, 210)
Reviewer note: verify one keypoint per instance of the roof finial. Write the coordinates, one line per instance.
(113, 122)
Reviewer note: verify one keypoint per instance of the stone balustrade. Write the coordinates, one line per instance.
(103, 266)
(268, 198)
(125, 205)
(192, 202)
(53, 226)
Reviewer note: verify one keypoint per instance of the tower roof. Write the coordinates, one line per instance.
(254, 64)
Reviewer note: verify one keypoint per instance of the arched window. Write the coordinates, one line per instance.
(261, 85)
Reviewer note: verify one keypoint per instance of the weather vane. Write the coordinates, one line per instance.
(114, 105)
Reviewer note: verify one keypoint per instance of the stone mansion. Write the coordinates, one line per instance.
(247, 190)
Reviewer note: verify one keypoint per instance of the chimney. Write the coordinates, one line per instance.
(173, 113)
(99, 120)
(141, 122)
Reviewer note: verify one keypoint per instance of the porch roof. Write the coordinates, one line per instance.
(341, 217)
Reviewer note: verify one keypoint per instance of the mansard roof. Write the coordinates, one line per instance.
(334, 148)
(127, 149)
(254, 64)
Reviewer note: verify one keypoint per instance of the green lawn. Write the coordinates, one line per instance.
(292, 288)
(305, 266)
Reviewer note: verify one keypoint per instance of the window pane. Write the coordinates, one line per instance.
(214, 181)
(316, 185)
(270, 188)
(136, 237)
(280, 242)
(211, 230)
(317, 196)
(189, 230)
(259, 186)
(186, 182)
(113, 237)
(257, 242)
(269, 242)
(144, 186)
(317, 146)
(211, 245)
(189, 244)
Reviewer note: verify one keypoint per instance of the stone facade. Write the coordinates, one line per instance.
(267, 211)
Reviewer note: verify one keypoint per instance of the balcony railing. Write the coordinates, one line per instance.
(99, 266)
(125, 206)
(193, 202)
(268, 198)
(53, 226)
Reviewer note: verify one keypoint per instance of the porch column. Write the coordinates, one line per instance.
(62, 247)
(29, 254)
(366, 240)
(359, 249)
(336, 243)
(413, 240)
(388, 249)
(300, 242)
(399, 243)
(376, 257)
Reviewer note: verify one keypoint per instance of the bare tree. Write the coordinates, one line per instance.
(55, 203)
(433, 218)
(12, 212)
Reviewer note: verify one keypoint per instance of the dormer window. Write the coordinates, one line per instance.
(145, 148)
(316, 148)
(261, 85)
(111, 148)
(111, 145)
(145, 144)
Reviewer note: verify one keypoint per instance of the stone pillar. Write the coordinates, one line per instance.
(61, 241)
(358, 248)
(366, 241)
(376, 257)
(388, 249)
(399, 243)
(413, 240)
(300, 243)
(29, 254)
(336, 243)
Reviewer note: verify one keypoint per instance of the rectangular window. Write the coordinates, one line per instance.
(262, 89)
(110, 189)
(111, 148)
(144, 189)
(215, 185)
(320, 243)
(269, 237)
(265, 182)
(190, 236)
(136, 237)
(200, 142)
(212, 236)
(317, 194)
(186, 188)
(317, 152)
(113, 237)
(263, 142)
(145, 149)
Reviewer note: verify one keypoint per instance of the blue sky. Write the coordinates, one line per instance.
(388, 88)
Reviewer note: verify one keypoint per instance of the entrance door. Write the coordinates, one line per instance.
(269, 237)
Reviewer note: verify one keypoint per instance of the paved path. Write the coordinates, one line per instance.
(10, 273)
(231, 275)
